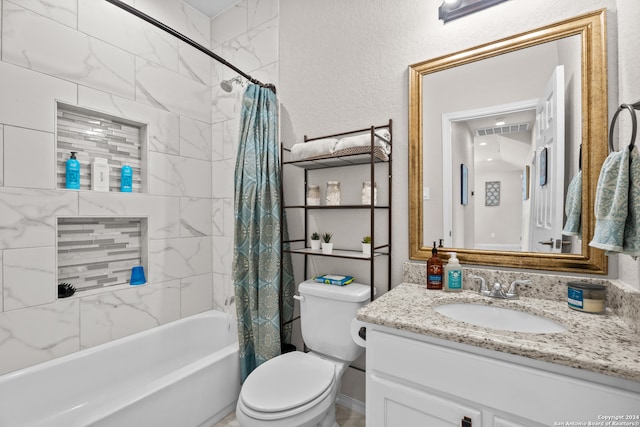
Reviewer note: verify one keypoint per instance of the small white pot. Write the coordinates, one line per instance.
(327, 248)
(315, 244)
(366, 248)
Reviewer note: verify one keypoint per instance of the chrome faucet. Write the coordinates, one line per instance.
(498, 291)
(512, 293)
(483, 284)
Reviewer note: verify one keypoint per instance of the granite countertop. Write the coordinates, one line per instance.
(602, 343)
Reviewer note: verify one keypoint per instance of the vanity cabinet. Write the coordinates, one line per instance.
(415, 380)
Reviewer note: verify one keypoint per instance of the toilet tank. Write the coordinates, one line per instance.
(326, 312)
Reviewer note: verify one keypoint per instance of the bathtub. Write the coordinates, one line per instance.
(182, 374)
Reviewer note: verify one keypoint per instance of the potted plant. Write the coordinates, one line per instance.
(327, 245)
(366, 245)
(315, 241)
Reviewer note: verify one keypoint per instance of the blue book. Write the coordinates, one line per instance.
(333, 279)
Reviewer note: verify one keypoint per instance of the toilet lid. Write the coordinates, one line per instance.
(287, 381)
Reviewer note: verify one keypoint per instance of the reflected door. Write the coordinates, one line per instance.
(548, 191)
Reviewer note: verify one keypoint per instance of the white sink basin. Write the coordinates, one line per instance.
(499, 318)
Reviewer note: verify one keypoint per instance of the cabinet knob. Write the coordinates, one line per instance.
(466, 422)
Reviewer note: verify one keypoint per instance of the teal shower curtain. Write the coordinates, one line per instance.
(257, 257)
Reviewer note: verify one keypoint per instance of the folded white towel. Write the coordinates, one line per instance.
(364, 140)
(573, 207)
(612, 201)
(313, 149)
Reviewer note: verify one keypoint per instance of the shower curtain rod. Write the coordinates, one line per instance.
(190, 42)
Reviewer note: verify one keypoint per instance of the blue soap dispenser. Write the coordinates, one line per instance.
(125, 179)
(72, 172)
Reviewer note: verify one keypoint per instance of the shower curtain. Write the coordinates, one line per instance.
(257, 257)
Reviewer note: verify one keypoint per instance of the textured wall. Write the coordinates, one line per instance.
(343, 65)
(629, 78)
(356, 54)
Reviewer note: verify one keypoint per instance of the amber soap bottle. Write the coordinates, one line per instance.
(434, 270)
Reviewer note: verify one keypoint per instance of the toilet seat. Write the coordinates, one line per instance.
(287, 385)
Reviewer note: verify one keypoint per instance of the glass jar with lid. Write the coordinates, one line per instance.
(368, 193)
(333, 193)
(313, 195)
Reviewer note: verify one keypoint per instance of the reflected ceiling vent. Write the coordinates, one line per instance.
(501, 130)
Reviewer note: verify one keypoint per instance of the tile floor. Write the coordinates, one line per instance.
(345, 418)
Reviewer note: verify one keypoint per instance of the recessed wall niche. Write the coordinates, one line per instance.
(93, 135)
(95, 253)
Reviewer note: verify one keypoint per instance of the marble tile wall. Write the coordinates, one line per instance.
(93, 55)
(247, 36)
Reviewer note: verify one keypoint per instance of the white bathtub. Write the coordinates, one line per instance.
(182, 374)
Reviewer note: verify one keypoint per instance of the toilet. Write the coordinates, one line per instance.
(300, 389)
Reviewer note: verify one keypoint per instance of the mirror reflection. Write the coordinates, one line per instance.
(507, 148)
(496, 134)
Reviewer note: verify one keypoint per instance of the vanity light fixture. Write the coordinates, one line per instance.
(453, 9)
(500, 122)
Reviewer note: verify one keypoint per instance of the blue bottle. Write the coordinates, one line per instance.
(72, 172)
(125, 179)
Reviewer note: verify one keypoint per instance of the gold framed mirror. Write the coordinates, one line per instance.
(586, 132)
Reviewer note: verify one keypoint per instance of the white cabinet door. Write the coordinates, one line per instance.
(391, 404)
(498, 421)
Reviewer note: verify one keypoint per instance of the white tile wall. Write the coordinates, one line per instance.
(179, 16)
(27, 158)
(222, 254)
(163, 130)
(1, 285)
(71, 51)
(63, 11)
(1, 151)
(217, 133)
(231, 129)
(194, 64)
(254, 49)
(195, 217)
(163, 213)
(28, 97)
(28, 216)
(230, 24)
(261, 11)
(39, 333)
(217, 217)
(134, 35)
(106, 317)
(171, 259)
(222, 175)
(38, 43)
(195, 139)
(29, 277)
(196, 294)
(158, 86)
(179, 176)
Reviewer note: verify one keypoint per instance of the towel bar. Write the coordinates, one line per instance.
(634, 123)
